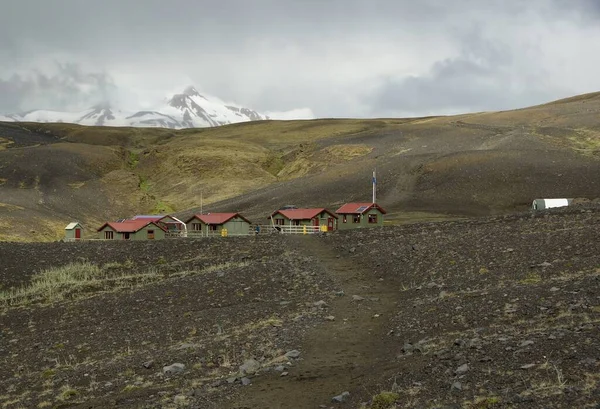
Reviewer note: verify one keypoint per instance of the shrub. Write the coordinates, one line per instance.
(384, 400)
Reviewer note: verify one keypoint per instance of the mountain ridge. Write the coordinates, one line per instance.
(188, 109)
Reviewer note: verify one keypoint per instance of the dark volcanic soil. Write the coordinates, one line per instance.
(491, 312)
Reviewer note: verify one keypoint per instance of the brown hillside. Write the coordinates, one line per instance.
(484, 163)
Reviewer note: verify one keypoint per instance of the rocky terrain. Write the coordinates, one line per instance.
(487, 312)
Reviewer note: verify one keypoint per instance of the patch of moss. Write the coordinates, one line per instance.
(162, 208)
(532, 278)
(384, 400)
(68, 393)
(133, 159)
(48, 373)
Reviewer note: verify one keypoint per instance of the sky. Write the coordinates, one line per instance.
(322, 58)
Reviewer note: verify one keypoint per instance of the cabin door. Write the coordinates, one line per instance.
(330, 224)
(77, 233)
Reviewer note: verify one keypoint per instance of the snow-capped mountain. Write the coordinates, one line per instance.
(189, 109)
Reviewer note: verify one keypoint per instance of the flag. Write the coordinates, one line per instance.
(374, 179)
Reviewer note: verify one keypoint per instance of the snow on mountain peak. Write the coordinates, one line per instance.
(189, 109)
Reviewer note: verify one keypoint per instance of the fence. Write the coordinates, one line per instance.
(254, 230)
(300, 229)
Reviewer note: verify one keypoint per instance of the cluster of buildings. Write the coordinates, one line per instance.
(288, 219)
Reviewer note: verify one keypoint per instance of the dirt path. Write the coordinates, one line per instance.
(337, 356)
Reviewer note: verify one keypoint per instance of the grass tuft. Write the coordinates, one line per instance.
(385, 400)
(78, 280)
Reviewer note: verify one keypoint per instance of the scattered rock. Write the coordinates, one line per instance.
(456, 387)
(246, 381)
(352, 250)
(148, 364)
(284, 374)
(320, 304)
(340, 293)
(330, 318)
(463, 369)
(231, 380)
(554, 289)
(526, 343)
(342, 397)
(174, 368)
(280, 368)
(527, 366)
(294, 354)
(357, 298)
(249, 367)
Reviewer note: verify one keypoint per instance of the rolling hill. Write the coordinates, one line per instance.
(434, 167)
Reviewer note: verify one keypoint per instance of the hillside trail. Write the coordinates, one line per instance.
(339, 355)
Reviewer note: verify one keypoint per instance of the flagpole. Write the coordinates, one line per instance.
(374, 186)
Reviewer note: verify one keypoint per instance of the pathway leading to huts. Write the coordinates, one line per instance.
(338, 355)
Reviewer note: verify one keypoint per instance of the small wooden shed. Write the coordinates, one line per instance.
(73, 231)
(212, 224)
(358, 215)
(542, 204)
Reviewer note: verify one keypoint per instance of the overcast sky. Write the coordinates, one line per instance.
(350, 58)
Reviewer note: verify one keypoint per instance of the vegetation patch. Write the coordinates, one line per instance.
(347, 152)
(78, 280)
(384, 400)
(9, 207)
(532, 278)
(76, 185)
(133, 159)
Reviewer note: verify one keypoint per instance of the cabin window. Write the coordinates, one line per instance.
(345, 219)
(296, 222)
(108, 235)
(212, 227)
(373, 219)
(150, 234)
(197, 226)
(279, 222)
(356, 218)
(125, 236)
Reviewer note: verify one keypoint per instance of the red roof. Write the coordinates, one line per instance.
(216, 218)
(302, 214)
(358, 208)
(129, 226)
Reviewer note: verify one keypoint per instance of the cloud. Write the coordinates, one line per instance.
(301, 113)
(348, 58)
(68, 88)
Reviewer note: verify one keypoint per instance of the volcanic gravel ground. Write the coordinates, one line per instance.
(482, 313)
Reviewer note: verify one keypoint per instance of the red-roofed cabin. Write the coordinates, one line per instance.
(172, 225)
(357, 215)
(212, 224)
(304, 217)
(132, 230)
